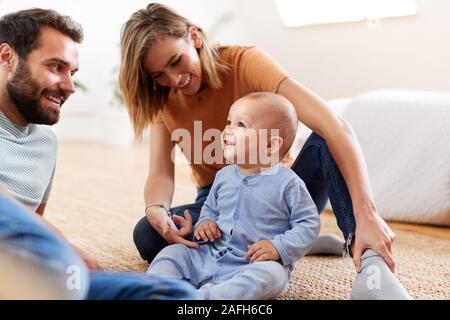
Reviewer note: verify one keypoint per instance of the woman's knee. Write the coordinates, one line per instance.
(147, 240)
(315, 139)
(314, 149)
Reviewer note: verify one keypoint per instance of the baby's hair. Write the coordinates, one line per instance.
(282, 115)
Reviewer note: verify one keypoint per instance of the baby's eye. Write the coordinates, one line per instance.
(228, 123)
(240, 124)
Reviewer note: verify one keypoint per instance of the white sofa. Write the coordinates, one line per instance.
(405, 137)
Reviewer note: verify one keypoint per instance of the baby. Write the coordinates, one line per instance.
(258, 218)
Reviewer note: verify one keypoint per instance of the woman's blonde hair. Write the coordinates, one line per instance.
(142, 95)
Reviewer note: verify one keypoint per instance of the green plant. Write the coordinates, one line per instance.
(117, 98)
(221, 21)
(79, 86)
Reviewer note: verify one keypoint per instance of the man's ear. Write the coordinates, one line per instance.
(7, 57)
(194, 34)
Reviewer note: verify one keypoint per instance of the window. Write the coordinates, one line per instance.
(296, 13)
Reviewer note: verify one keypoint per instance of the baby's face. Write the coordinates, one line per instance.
(245, 137)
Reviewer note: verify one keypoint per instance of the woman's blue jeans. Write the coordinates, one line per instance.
(45, 266)
(314, 165)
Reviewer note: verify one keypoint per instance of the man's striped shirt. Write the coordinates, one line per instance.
(27, 161)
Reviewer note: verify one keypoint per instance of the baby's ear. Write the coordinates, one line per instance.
(274, 145)
(272, 155)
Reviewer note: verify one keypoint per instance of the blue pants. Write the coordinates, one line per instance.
(37, 264)
(221, 277)
(314, 165)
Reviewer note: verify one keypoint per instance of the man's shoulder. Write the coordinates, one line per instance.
(44, 138)
(35, 135)
(44, 133)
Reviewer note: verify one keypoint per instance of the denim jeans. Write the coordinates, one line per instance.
(44, 266)
(314, 165)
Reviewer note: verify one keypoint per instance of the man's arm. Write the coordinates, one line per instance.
(91, 263)
(40, 210)
(39, 213)
(3, 191)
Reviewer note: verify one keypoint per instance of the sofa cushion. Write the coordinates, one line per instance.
(405, 137)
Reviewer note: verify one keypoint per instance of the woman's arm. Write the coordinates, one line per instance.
(161, 171)
(41, 209)
(159, 187)
(371, 230)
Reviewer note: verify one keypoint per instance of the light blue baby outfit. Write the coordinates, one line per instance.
(274, 205)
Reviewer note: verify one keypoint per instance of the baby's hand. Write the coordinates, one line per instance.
(207, 231)
(262, 250)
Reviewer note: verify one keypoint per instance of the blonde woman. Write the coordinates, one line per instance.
(173, 79)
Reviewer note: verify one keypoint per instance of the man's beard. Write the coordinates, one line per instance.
(25, 94)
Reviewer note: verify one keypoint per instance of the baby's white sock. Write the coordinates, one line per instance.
(327, 244)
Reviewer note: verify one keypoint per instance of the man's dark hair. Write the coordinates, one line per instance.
(21, 29)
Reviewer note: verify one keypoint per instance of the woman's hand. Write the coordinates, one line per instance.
(166, 227)
(207, 231)
(262, 250)
(374, 233)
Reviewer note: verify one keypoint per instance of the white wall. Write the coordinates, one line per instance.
(340, 60)
(337, 60)
(93, 115)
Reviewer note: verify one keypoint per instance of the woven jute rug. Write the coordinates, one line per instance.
(97, 198)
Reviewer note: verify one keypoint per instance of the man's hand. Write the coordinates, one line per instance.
(262, 250)
(373, 232)
(207, 231)
(90, 262)
(166, 227)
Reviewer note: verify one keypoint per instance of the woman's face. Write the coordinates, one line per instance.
(175, 63)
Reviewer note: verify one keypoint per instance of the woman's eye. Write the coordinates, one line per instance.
(228, 123)
(173, 64)
(240, 124)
